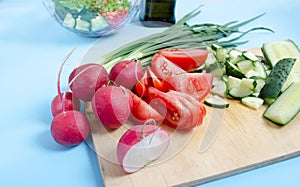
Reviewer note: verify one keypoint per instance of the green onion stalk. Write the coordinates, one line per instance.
(180, 35)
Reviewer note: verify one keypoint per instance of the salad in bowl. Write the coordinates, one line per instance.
(93, 18)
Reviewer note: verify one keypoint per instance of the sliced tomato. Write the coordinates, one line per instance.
(142, 112)
(149, 79)
(187, 59)
(182, 110)
(162, 67)
(197, 85)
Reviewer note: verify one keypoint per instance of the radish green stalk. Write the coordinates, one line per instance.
(179, 35)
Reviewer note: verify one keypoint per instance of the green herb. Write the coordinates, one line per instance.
(179, 35)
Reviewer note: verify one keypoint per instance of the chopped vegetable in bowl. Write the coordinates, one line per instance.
(93, 18)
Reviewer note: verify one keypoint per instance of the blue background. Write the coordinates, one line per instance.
(32, 46)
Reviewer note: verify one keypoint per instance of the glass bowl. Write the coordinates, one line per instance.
(93, 18)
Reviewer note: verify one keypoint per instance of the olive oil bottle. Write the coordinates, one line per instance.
(158, 13)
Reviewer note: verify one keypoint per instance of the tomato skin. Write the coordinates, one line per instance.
(164, 68)
(142, 112)
(187, 59)
(183, 112)
(197, 85)
(148, 80)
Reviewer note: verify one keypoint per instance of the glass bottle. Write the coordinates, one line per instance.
(158, 13)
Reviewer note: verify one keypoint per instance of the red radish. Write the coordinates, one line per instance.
(67, 102)
(126, 73)
(70, 128)
(141, 145)
(86, 79)
(112, 105)
(64, 101)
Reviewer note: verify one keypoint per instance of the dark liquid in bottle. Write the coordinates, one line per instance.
(158, 13)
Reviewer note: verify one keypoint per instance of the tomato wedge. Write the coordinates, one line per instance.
(187, 59)
(182, 110)
(197, 85)
(149, 79)
(162, 67)
(142, 112)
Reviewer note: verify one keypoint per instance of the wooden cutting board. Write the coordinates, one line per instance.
(229, 141)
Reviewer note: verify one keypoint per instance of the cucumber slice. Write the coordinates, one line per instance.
(245, 66)
(277, 78)
(252, 102)
(216, 102)
(221, 54)
(239, 88)
(233, 82)
(248, 83)
(250, 56)
(286, 106)
(82, 25)
(69, 21)
(235, 56)
(217, 69)
(215, 47)
(98, 23)
(269, 100)
(275, 51)
(260, 69)
(259, 84)
(219, 88)
(240, 92)
(233, 70)
(211, 59)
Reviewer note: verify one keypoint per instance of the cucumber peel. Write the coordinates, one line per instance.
(275, 51)
(216, 102)
(277, 78)
(285, 107)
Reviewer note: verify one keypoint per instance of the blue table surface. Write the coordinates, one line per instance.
(32, 46)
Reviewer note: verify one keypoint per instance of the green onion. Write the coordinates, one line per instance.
(179, 35)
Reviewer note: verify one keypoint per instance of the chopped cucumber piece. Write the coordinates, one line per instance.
(240, 92)
(216, 102)
(98, 23)
(221, 54)
(252, 74)
(219, 88)
(286, 106)
(69, 21)
(233, 70)
(211, 59)
(235, 56)
(252, 102)
(248, 83)
(239, 88)
(259, 84)
(245, 66)
(269, 100)
(233, 82)
(215, 47)
(275, 51)
(82, 25)
(250, 56)
(217, 69)
(277, 78)
(260, 69)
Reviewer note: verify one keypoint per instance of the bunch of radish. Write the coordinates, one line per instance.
(130, 94)
(69, 126)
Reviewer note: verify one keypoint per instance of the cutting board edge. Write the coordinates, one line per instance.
(241, 170)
